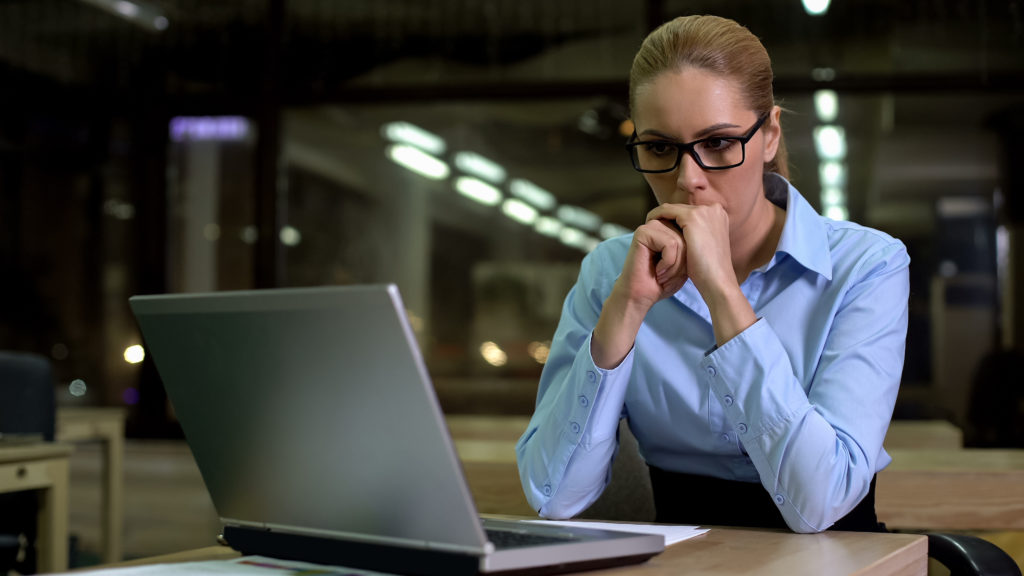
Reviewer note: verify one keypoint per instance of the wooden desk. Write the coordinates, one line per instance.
(43, 467)
(965, 489)
(83, 424)
(725, 551)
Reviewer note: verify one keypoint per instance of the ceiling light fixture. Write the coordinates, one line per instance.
(406, 133)
(816, 7)
(830, 142)
(418, 161)
(476, 165)
(826, 104)
(519, 211)
(531, 193)
(478, 191)
(548, 226)
(140, 13)
(579, 217)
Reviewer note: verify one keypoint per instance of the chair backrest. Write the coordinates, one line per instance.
(27, 406)
(629, 496)
(27, 395)
(995, 417)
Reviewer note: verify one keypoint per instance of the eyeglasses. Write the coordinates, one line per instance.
(714, 153)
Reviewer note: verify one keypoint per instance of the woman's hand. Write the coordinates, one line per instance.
(707, 256)
(655, 266)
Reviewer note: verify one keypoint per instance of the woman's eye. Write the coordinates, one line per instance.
(659, 148)
(716, 144)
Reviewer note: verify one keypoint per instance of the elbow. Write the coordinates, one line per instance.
(564, 509)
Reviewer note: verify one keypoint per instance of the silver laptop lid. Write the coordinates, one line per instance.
(310, 410)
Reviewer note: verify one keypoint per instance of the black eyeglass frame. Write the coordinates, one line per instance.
(688, 147)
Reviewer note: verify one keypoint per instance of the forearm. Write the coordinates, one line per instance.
(616, 329)
(731, 313)
(564, 456)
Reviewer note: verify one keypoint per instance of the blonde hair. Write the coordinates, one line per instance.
(720, 46)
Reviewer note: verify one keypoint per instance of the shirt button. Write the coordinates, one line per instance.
(779, 499)
(727, 400)
(575, 427)
(591, 377)
(711, 371)
(725, 437)
(584, 401)
(547, 490)
(742, 428)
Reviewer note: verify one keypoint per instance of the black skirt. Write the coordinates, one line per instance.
(702, 500)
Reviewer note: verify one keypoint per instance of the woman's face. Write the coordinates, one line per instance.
(692, 104)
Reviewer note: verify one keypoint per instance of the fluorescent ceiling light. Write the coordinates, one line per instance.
(830, 142)
(519, 211)
(576, 216)
(476, 165)
(611, 230)
(548, 226)
(418, 161)
(406, 133)
(836, 213)
(833, 196)
(572, 237)
(816, 7)
(826, 105)
(529, 192)
(478, 190)
(137, 12)
(832, 174)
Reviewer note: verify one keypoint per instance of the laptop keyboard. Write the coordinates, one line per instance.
(516, 539)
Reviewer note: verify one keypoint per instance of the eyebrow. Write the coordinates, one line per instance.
(701, 134)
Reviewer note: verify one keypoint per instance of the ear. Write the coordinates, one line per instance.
(772, 133)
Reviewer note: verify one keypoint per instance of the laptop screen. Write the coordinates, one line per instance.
(310, 410)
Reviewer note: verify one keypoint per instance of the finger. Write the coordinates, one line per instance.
(663, 239)
(676, 213)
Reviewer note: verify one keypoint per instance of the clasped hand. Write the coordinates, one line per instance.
(678, 242)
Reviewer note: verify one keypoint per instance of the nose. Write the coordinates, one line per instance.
(689, 174)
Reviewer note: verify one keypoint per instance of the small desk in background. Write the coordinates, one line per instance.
(42, 466)
(84, 424)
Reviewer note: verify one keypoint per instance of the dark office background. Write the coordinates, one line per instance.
(186, 145)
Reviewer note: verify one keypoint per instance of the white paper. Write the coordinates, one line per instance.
(673, 533)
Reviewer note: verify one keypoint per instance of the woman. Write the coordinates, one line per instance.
(754, 346)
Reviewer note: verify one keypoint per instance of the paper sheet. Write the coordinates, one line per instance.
(673, 533)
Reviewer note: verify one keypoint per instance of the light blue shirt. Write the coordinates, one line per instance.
(800, 401)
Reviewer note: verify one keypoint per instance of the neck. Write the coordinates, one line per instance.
(758, 241)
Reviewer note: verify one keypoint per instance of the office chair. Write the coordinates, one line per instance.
(27, 406)
(629, 497)
(995, 414)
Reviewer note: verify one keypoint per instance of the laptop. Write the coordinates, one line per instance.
(319, 436)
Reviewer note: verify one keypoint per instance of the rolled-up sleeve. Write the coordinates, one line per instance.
(565, 454)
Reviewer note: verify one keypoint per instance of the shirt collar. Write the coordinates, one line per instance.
(804, 236)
